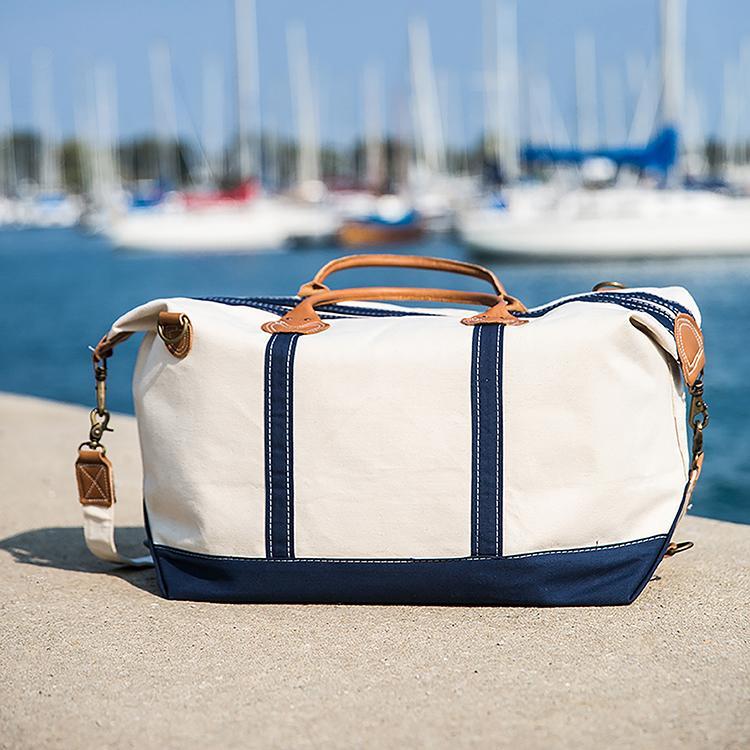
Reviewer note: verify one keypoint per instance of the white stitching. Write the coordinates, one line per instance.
(603, 548)
(633, 303)
(103, 494)
(588, 549)
(681, 323)
(288, 491)
(272, 342)
(478, 434)
(497, 446)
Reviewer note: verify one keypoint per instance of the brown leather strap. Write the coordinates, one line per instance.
(690, 348)
(399, 261)
(304, 319)
(104, 348)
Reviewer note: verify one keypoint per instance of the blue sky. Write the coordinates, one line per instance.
(343, 36)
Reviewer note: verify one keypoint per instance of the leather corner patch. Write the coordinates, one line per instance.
(176, 331)
(94, 478)
(689, 347)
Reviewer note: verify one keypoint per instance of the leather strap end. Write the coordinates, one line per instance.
(94, 478)
(497, 315)
(690, 347)
(305, 327)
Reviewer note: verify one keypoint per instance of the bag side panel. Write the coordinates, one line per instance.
(594, 450)
(201, 427)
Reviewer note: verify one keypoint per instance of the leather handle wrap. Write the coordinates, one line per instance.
(305, 320)
(399, 261)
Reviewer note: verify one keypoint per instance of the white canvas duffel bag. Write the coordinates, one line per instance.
(330, 448)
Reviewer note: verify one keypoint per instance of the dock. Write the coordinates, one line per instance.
(92, 656)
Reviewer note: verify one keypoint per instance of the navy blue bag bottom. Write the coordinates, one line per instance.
(614, 574)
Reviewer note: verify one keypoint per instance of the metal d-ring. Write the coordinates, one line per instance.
(169, 339)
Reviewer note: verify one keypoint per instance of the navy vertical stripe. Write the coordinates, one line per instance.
(279, 393)
(487, 452)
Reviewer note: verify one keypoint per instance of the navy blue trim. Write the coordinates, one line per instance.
(487, 446)
(667, 539)
(659, 308)
(595, 576)
(150, 543)
(279, 398)
(281, 305)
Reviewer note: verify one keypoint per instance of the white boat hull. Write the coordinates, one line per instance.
(615, 226)
(216, 230)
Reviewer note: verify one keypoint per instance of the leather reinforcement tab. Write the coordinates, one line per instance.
(95, 479)
(176, 331)
(690, 347)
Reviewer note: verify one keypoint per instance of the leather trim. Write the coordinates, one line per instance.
(498, 314)
(176, 331)
(305, 320)
(105, 346)
(95, 479)
(399, 261)
(690, 347)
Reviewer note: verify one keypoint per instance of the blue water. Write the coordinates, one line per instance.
(59, 292)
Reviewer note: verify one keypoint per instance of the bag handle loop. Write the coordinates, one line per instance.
(426, 263)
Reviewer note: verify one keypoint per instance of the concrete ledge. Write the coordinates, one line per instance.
(92, 657)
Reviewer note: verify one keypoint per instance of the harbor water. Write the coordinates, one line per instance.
(60, 290)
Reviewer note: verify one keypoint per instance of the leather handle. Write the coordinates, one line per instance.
(399, 261)
(305, 320)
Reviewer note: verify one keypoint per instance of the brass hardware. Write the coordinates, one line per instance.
(99, 415)
(176, 335)
(675, 548)
(698, 418)
(603, 285)
(171, 334)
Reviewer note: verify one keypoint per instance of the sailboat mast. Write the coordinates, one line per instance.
(373, 113)
(248, 89)
(8, 173)
(425, 95)
(213, 119)
(48, 168)
(673, 69)
(105, 84)
(672, 61)
(308, 154)
(586, 100)
(507, 87)
(165, 114)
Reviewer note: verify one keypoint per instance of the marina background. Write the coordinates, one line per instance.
(195, 149)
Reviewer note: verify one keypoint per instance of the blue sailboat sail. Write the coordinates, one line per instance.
(658, 155)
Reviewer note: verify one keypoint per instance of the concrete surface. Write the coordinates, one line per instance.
(91, 657)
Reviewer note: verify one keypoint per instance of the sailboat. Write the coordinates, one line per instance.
(209, 220)
(604, 218)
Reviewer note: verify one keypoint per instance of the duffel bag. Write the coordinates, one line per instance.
(335, 447)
